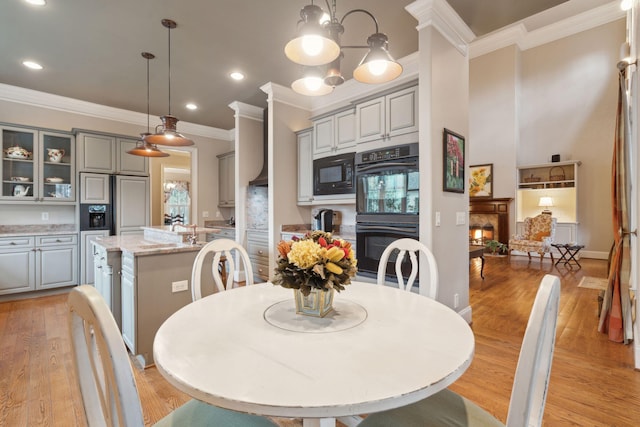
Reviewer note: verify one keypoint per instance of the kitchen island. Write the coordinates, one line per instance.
(144, 280)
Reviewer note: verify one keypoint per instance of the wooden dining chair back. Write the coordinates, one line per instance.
(411, 248)
(105, 376)
(530, 385)
(228, 251)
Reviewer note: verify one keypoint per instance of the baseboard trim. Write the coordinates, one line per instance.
(466, 314)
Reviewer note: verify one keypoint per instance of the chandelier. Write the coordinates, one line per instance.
(142, 147)
(166, 134)
(317, 47)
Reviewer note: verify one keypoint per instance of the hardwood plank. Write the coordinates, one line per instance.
(593, 382)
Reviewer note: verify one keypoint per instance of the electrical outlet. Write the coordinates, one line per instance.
(180, 286)
(45, 216)
(456, 300)
(205, 214)
(460, 218)
(218, 214)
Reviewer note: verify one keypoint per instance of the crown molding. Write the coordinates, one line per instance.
(518, 34)
(247, 111)
(286, 95)
(440, 15)
(75, 106)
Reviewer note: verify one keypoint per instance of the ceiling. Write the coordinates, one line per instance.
(91, 50)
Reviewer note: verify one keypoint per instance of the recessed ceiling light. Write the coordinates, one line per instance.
(32, 65)
(236, 75)
(191, 106)
(37, 2)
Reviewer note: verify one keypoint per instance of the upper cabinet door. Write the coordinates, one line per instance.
(94, 188)
(402, 112)
(128, 164)
(19, 163)
(96, 153)
(57, 181)
(323, 136)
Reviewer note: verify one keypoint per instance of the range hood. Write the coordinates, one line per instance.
(262, 180)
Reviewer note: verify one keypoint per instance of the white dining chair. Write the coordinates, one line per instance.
(529, 392)
(410, 247)
(220, 248)
(106, 380)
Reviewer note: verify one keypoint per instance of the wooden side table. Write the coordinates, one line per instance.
(476, 251)
(568, 253)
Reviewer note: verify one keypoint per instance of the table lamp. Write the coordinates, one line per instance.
(546, 203)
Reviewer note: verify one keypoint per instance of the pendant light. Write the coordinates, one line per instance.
(142, 147)
(166, 134)
(377, 66)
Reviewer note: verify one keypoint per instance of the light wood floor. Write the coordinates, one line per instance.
(593, 382)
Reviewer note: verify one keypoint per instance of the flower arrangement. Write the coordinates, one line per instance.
(316, 261)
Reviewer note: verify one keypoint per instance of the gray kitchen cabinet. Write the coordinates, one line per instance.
(56, 261)
(30, 263)
(334, 134)
(108, 154)
(94, 188)
(227, 180)
(148, 297)
(258, 250)
(37, 166)
(133, 211)
(87, 252)
(388, 116)
(107, 274)
(224, 233)
(305, 167)
(128, 164)
(17, 263)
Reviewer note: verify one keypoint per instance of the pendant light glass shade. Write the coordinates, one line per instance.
(166, 134)
(143, 148)
(312, 46)
(312, 83)
(377, 66)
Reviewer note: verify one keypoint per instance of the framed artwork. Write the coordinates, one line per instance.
(453, 168)
(481, 180)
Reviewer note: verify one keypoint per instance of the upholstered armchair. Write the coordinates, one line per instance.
(538, 235)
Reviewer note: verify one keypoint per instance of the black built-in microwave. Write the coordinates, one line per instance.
(334, 175)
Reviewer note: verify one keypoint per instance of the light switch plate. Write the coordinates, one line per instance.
(437, 218)
(460, 218)
(180, 286)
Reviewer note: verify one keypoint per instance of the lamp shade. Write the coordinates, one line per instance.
(312, 46)
(545, 202)
(312, 83)
(168, 135)
(377, 66)
(147, 150)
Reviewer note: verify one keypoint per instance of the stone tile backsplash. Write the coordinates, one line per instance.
(257, 207)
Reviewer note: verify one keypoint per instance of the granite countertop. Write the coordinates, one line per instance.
(219, 224)
(27, 230)
(141, 246)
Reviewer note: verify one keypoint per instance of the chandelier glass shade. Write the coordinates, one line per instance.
(142, 147)
(166, 133)
(318, 44)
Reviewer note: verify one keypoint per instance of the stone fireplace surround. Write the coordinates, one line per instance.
(491, 211)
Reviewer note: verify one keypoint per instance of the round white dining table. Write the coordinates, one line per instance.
(247, 350)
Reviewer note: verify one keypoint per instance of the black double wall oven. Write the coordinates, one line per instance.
(387, 204)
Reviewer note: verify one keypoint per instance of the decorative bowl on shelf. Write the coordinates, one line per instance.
(17, 152)
(20, 178)
(54, 180)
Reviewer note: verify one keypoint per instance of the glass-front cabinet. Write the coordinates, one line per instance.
(37, 166)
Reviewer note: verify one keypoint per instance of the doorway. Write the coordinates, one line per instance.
(174, 185)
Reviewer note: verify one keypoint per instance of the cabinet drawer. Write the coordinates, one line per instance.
(261, 270)
(258, 250)
(70, 239)
(10, 243)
